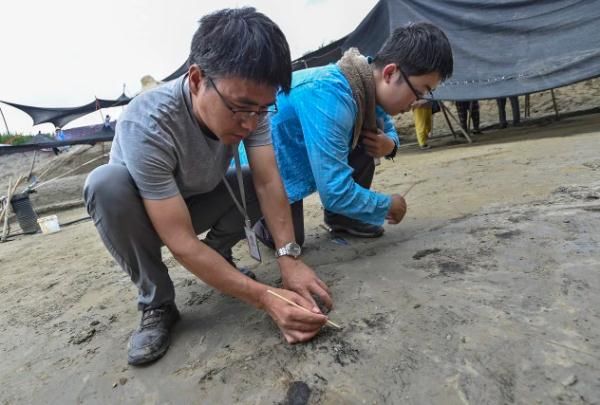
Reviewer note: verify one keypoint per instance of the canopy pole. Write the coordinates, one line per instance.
(457, 123)
(554, 104)
(527, 106)
(469, 118)
(5, 124)
(447, 119)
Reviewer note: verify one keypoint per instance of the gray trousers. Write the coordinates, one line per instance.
(114, 203)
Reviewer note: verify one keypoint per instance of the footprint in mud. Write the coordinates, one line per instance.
(426, 252)
(508, 234)
(594, 165)
(196, 298)
(519, 218)
(577, 192)
(343, 352)
(298, 394)
(448, 268)
(377, 322)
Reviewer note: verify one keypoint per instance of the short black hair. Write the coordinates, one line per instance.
(243, 43)
(419, 49)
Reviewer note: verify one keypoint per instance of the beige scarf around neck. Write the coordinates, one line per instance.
(359, 74)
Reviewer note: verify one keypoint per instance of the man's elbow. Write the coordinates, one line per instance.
(182, 250)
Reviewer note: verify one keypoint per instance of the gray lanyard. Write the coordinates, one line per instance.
(238, 169)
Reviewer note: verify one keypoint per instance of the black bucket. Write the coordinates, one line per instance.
(26, 216)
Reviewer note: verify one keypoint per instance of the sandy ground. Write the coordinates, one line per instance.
(486, 293)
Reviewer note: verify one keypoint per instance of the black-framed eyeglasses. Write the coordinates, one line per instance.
(242, 113)
(418, 95)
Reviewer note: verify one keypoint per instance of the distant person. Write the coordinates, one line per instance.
(336, 121)
(423, 117)
(463, 108)
(516, 112)
(59, 136)
(106, 124)
(168, 181)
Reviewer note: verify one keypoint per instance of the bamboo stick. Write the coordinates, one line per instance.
(331, 323)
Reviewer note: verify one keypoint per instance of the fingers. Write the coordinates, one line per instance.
(293, 337)
(370, 140)
(323, 286)
(369, 134)
(323, 295)
(297, 319)
(308, 301)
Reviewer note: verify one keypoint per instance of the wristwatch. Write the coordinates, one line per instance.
(291, 249)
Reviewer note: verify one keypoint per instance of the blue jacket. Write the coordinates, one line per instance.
(312, 134)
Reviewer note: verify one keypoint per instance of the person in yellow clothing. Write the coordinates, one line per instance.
(422, 115)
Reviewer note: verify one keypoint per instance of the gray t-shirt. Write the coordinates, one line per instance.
(159, 140)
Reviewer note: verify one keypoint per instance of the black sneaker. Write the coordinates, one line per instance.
(152, 339)
(353, 227)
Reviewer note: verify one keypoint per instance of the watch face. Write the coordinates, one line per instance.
(294, 249)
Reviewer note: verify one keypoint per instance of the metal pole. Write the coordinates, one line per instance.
(527, 106)
(5, 124)
(466, 135)
(554, 104)
(469, 118)
(446, 117)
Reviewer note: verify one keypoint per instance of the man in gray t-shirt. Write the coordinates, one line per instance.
(167, 181)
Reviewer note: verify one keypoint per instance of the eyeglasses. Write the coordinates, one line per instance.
(418, 95)
(241, 113)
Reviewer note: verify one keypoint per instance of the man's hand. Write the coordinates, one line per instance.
(377, 144)
(295, 324)
(397, 210)
(298, 277)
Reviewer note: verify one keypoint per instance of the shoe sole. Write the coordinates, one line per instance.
(148, 359)
(354, 232)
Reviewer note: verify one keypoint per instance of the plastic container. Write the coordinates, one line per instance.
(49, 224)
(26, 216)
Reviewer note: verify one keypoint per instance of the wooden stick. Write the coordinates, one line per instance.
(14, 189)
(5, 226)
(331, 323)
(466, 135)
(410, 188)
(69, 172)
(32, 164)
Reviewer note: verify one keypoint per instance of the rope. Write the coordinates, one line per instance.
(70, 171)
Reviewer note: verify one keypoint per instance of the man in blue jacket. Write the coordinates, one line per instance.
(335, 122)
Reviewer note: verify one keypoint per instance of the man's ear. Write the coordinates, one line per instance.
(388, 72)
(196, 78)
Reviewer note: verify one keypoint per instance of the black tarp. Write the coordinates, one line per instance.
(100, 136)
(179, 72)
(61, 116)
(501, 47)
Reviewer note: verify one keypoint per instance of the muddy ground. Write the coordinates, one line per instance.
(487, 293)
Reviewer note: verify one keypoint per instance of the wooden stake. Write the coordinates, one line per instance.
(446, 118)
(410, 188)
(457, 123)
(554, 104)
(331, 323)
(5, 124)
(5, 212)
(32, 165)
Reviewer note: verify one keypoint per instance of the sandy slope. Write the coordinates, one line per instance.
(486, 293)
